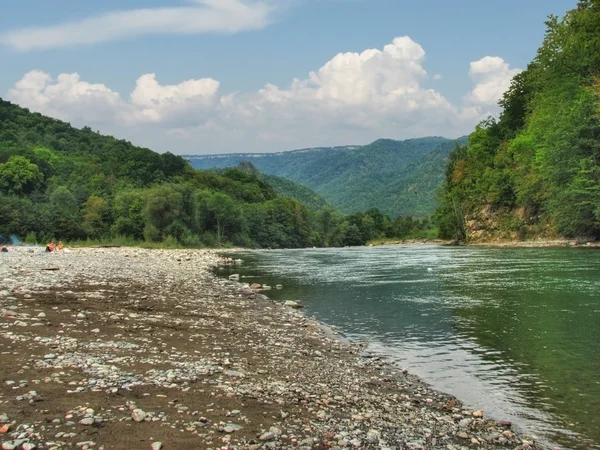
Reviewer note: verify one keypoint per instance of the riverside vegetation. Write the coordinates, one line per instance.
(59, 182)
(535, 172)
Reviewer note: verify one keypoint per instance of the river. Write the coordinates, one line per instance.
(512, 331)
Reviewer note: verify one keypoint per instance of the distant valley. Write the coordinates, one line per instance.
(398, 177)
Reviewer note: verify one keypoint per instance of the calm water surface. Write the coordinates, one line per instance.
(515, 332)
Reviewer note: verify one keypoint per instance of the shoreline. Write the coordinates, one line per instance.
(129, 348)
(542, 243)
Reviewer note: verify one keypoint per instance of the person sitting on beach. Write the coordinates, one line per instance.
(3, 249)
(51, 247)
(60, 247)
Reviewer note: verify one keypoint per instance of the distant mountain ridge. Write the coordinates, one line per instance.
(398, 177)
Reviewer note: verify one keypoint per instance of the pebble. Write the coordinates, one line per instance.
(157, 445)
(138, 415)
(267, 436)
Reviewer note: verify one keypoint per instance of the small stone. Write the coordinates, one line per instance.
(292, 304)
(462, 435)
(87, 421)
(372, 436)
(267, 437)
(42, 315)
(8, 446)
(505, 423)
(29, 446)
(81, 316)
(138, 415)
(157, 446)
(96, 330)
(478, 414)
(50, 356)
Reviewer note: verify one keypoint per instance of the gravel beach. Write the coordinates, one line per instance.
(124, 348)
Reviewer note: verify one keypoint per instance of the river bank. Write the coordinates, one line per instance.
(136, 349)
(541, 243)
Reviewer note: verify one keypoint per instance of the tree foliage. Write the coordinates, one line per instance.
(538, 166)
(58, 182)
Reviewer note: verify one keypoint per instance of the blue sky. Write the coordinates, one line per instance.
(90, 63)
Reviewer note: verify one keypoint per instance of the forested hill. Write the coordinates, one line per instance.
(535, 172)
(59, 182)
(398, 177)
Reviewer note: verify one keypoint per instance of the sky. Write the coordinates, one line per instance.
(221, 76)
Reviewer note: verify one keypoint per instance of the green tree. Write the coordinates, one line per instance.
(20, 176)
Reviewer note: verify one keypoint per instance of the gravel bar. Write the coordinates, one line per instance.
(122, 348)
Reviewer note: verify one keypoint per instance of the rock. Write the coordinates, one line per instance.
(478, 414)
(87, 421)
(50, 356)
(462, 435)
(505, 423)
(292, 304)
(81, 316)
(42, 315)
(8, 446)
(267, 437)
(5, 428)
(138, 415)
(373, 436)
(465, 423)
(235, 277)
(255, 286)
(29, 446)
(3, 418)
(157, 446)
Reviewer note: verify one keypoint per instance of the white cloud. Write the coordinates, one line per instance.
(154, 103)
(492, 76)
(67, 97)
(203, 16)
(353, 98)
(438, 76)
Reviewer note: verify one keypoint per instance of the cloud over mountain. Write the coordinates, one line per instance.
(352, 98)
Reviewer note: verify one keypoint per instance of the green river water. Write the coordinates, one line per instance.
(515, 332)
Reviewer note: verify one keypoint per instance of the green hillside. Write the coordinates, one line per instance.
(59, 182)
(289, 188)
(535, 172)
(398, 177)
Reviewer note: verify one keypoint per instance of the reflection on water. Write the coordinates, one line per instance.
(515, 332)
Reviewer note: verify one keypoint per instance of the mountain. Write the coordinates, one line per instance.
(535, 172)
(398, 177)
(289, 188)
(60, 182)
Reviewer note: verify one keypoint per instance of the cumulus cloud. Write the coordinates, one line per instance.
(203, 16)
(154, 103)
(353, 98)
(492, 76)
(67, 98)
(70, 98)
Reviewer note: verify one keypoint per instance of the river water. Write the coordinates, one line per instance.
(515, 332)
